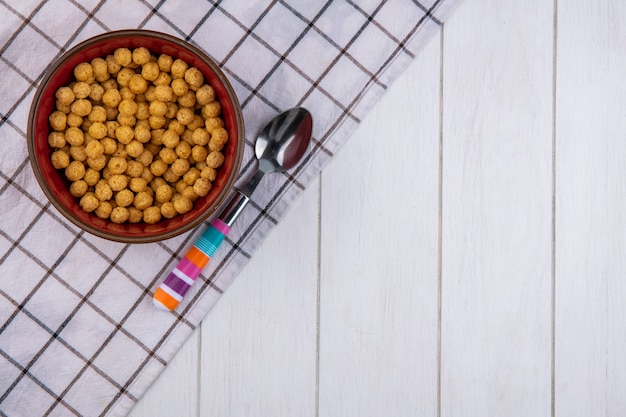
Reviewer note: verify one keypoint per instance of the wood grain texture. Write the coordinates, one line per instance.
(496, 219)
(379, 256)
(366, 240)
(259, 342)
(591, 202)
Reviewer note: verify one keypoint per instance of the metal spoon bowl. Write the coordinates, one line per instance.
(279, 147)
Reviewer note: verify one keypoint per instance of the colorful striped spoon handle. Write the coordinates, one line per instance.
(175, 286)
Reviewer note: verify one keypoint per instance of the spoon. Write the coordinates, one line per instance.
(279, 147)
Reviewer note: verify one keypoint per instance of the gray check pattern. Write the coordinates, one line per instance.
(78, 331)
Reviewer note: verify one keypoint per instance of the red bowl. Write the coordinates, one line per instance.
(53, 182)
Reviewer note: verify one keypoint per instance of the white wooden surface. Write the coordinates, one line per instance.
(464, 253)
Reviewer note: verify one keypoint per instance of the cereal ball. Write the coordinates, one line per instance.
(179, 86)
(81, 89)
(127, 93)
(215, 159)
(186, 136)
(191, 176)
(112, 125)
(141, 55)
(170, 177)
(212, 109)
(110, 84)
(199, 153)
(172, 109)
(202, 186)
(126, 120)
(189, 193)
(127, 107)
(183, 205)
(58, 120)
(83, 71)
(150, 71)
(97, 114)
(143, 112)
(156, 183)
(183, 150)
(123, 56)
(150, 94)
(97, 92)
(176, 126)
(103, 190)
(208, 173)
(163, 79)
(138, 84)
(124, 198)
(134, 169)
(142, 134)
(157, 122)
(65, 95)
(200, 137)
(213, 123)
(134, 215)
(219, 137)
(170, 138)
(158, 108)
(75, 171)
(120, 151)
(137, 184)
(85, 127)
(179, 67)
(89, 202)
(78, 188)
(163, 93)
(194, 78)
(78, 153)
(185, 115)
(163, 193)
(180, 186)
(97, 163)
(56, 139)
(63, 108)
(196, 123)
(100, 69)
(81, 107)
(118, 182)
(117, 165)
(152, 215)
(74, 120)
(165, 62)
(124, 134)
(97, 130)
(145, 158)
(104, 210)
(188, 100)
(142, 200)
(119, 215)
(91, 177)
(94, 149)
(74, 136)
(113, 66)
(147, 175)
(112, 98)
(123, 77)
(180, 167)
(134, 148)
(168, 155)
(158, 168)
(205, 94)
(167, 210)
(60, 159)
(112, 113)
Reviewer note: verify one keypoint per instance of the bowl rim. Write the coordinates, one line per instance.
(147, 237)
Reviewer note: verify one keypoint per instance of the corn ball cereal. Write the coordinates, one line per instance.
(138, 136)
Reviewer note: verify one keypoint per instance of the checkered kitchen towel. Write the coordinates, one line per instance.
(79, 334)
